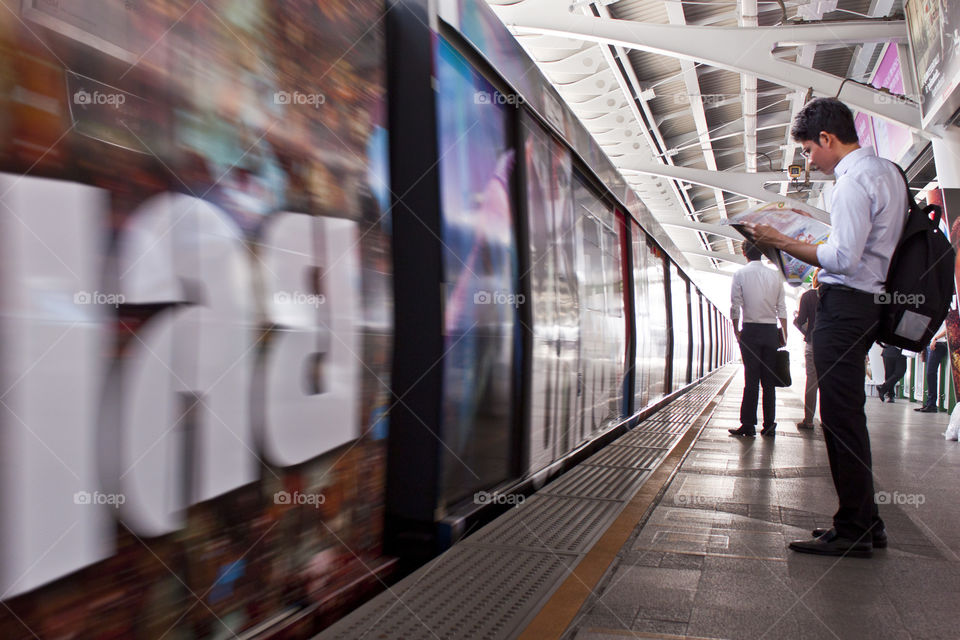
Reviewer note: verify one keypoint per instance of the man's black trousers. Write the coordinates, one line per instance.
(758, 347)
(847, 322)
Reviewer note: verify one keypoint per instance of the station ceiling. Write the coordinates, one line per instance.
(646, 107)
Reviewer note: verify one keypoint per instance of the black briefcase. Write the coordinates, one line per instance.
(782, 368)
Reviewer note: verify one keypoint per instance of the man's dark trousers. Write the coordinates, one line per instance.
(894, 366)
(758, 347)
(934, 358)
(846, 326)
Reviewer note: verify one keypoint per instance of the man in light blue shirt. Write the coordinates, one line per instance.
(868, 210)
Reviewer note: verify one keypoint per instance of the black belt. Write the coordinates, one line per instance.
(824, 287)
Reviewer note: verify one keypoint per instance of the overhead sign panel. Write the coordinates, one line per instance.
(934, 31)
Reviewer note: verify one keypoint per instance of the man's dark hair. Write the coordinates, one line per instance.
(751, 251)
(824, 114)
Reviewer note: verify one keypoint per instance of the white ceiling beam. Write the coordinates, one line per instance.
(741, 50)
(704, 227)
(695, 100)
(718, 255)
(749, 185)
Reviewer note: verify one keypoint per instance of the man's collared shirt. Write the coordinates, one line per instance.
(759, 292)
(867, 212)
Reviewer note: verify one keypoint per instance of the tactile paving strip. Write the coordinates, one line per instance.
(549, 523)
(505, 588)
(630, 457)
(494, 582)
(645, 439)
(607, 483)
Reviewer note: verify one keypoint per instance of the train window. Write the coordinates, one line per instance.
(657, 321)
(641, 301)
(602, 331)
(479, 264)
(548, 173)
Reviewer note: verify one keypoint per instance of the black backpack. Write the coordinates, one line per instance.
(919, 286)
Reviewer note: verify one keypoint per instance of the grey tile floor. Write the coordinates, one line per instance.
(712, 560)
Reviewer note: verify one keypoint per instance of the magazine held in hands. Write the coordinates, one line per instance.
(789, 221)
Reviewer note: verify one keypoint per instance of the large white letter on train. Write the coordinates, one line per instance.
(192, 360)
(51, 375)
(312, 367)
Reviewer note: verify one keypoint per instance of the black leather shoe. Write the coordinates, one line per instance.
(769, 431)
(879, 536)
(927, 409)
(748, 432)
(833, 546)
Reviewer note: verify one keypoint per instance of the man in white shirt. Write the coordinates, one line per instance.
(867, 210)
(758, 291)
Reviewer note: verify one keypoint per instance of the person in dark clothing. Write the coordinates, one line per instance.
(894, 366)
(805, 320)
(934, 355)
(757, 292)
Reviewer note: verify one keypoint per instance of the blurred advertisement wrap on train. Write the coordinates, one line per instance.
(791, 222)
(195, 313)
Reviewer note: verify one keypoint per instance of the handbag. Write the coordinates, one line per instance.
(782, 368)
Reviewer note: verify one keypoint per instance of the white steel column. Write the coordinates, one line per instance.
(695, 100)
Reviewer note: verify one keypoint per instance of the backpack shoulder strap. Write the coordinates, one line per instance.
(912, 205)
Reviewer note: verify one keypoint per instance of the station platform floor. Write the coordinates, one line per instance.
(690, 541)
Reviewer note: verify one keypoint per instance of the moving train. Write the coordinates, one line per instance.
(293, 296)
